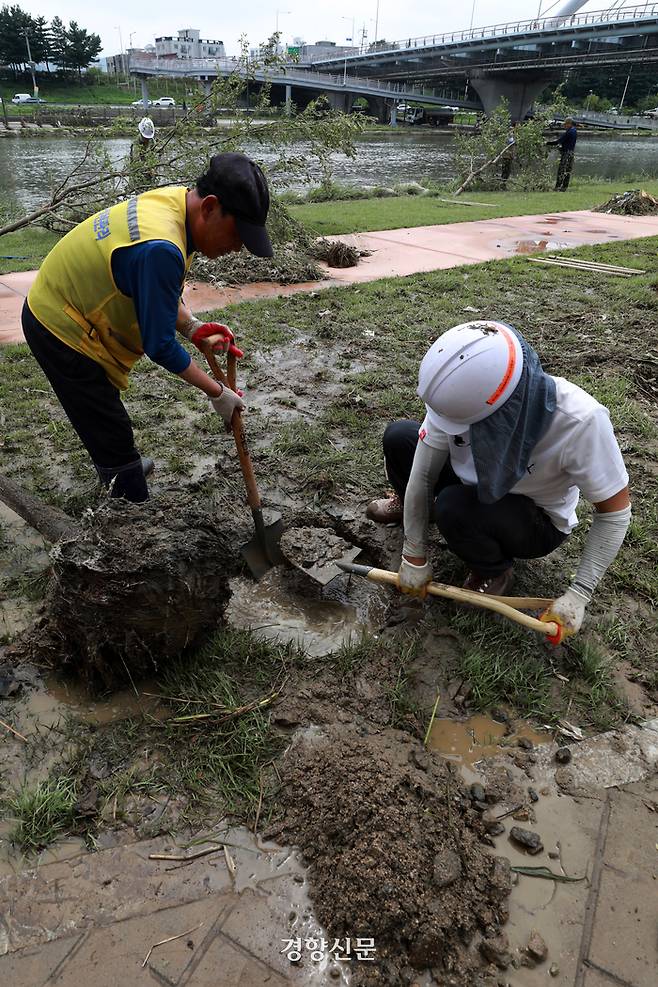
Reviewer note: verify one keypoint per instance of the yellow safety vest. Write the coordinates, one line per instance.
(74, 294)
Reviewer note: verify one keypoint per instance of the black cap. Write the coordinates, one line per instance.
(241, 187)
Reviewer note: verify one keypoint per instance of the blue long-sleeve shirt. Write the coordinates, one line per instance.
(151, 274)
(567, 141)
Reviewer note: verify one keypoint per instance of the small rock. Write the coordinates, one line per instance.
(527, 839)
(525, 743)
(500, 715)
(521, 815)
(496, 950)
(554, 970)
(494, 828)
(420, 759)
(334, 972)
(477, 792)
(501, 875)
(480, 806)
(447, 868)
(536, 947)
(554, 855)
(533, 795)
(563, 755)
(546, 791)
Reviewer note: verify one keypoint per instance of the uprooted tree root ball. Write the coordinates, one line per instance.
(393, 846)
(134, 585)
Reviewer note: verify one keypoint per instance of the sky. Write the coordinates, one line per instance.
(331, 20)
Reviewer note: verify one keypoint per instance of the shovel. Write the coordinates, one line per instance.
(262, 551)
(507, 606)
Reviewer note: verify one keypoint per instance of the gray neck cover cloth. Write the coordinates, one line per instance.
(502, 444)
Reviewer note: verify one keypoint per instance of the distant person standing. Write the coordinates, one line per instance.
(567, 145)
(143, 156)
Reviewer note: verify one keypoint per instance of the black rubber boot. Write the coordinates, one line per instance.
(148, 465)
(126, 481)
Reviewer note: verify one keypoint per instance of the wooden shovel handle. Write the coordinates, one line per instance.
(229, 380)
(547, 628)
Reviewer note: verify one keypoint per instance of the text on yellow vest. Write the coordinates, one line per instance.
(74, 294)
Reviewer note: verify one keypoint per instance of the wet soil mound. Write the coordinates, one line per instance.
(134, 585)
(635, 202)
(393, 847)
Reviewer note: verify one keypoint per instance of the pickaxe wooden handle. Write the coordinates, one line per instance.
(504, 605)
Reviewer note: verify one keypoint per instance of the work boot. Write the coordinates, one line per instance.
(126, 481)
(498, 585)
(148, 465)
(386, 510)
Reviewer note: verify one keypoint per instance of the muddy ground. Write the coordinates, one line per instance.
(323, 375)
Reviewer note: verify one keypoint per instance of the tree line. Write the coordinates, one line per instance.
(69, 48)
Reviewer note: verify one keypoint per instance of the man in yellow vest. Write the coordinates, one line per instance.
(110, 292)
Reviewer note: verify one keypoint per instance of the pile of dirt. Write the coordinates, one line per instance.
(635, 202)
(394, 848)
(134, 586)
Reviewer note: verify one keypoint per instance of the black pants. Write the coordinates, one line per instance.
(93, 406)
(488, 537)
(564, 170)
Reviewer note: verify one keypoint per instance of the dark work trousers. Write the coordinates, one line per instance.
(93, 406)
(487, 537)
(564, 170)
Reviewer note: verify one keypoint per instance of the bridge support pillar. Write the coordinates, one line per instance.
(341, 102)
(394, 114)
(520, 93)
(288, 100)
(145, 93)
(207, 88)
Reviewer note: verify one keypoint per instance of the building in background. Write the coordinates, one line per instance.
(188, 44)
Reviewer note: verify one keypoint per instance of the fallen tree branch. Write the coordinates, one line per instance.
(49, 521)
(478, 171)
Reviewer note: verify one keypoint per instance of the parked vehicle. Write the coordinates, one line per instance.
(26, 98)
(652, 114)
(140, 102)
(164, 101)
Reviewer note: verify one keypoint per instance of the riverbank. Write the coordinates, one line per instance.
(360, 215)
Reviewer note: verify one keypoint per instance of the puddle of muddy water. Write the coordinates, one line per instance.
(537, 246)
(319, 624)
(468, 741)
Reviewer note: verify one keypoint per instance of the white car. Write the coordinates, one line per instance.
(164, 101)
(140, 102)
(26, 98)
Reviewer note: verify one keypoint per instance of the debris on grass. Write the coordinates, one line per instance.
(635, 202)
(336, 253)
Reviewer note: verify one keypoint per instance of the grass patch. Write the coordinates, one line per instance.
(25, 249)
(359, 215)
(43, 812)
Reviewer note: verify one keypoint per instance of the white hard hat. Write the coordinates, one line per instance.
(146, 128)
(469, 372)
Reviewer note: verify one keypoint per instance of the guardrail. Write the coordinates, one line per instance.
(288, 75)
(491, 32)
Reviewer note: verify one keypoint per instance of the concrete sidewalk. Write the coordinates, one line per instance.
(92, 919)
(396, 253)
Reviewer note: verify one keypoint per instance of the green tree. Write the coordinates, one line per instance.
(58, 42)
(14, 22)
(81, 47)
(40, 40)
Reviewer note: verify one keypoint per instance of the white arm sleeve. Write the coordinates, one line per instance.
(604, 540)
(427, 465)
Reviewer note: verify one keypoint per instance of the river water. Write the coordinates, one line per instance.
(30, 166)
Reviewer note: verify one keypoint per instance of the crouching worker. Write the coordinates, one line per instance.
(110, 292)
(499, 463)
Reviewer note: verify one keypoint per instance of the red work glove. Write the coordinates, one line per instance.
(227, 344)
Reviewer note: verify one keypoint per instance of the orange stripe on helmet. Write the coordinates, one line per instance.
(511, 363)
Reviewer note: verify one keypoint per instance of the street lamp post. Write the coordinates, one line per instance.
(376, 24)
(35, 88)
(277, 22)
(123, 54)
(347, 39)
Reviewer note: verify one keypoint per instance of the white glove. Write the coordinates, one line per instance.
(413, 579)
(227, 402)
(568, 610)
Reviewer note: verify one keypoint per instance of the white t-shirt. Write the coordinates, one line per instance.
(579, 454)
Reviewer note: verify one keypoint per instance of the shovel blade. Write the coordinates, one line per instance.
(263, 551)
